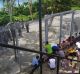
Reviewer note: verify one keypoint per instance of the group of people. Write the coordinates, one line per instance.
(50, 49)
(68, 49)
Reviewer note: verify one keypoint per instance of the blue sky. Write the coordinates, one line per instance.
(1, 4)
(21, 1)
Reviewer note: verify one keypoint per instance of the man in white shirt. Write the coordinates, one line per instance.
(52, 63)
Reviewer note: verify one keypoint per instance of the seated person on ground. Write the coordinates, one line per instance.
(78, 45)
(64, 44)
(35, 61)
(61, 53)
(48, 48)
(71, 40)
(44, 58)
(52, 63)
(55, 48)
(71, 50)
(72, 54)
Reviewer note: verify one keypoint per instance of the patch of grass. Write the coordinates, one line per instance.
(75, 8)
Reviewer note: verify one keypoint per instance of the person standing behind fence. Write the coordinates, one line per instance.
(64, 62)
(72, 55)
(27, 26)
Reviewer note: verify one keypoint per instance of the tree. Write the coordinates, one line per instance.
(64, 5)
(35, 7)
(53, 6)
(30, 7)
(75, 2)
(8, 4)
(4, 18)
(45, 5)
(26, 9)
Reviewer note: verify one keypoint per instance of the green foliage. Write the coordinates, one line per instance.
(4, 19)
(35, 7)
(53, 6)
(24, 9)
(22, 12)
(75, 5)
(25, 18)
(2, 13)
(76, 8)
(64, 5)
(75, 2)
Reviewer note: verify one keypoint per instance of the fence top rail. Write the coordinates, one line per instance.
(59, 14)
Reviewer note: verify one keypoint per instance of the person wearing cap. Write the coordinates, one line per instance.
(72, 56)
(55, 48)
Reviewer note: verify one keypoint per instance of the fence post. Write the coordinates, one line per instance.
(71, 30)
(58, 60)
(46, 29)
(61, 17)
(79, 70)
(40, 32)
